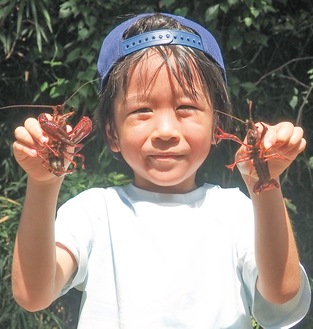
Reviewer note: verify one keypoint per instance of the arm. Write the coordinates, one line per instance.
(276, 252)
(40, 268)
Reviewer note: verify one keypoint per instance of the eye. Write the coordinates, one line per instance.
(142, 110)
(140, 114)
(187, 107)
(136, 111)
(186, 110)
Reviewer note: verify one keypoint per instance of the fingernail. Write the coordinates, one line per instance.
(268, 144)
(43, 139)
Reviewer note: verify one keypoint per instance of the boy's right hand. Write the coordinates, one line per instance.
(30, 140)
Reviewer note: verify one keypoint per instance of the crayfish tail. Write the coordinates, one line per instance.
(265, 186)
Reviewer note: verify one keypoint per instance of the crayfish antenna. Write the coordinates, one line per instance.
(250, 103)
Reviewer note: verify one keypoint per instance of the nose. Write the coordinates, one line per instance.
(166, 127)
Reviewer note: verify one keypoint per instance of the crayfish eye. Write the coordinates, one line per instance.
(252, 137)
(250, 140)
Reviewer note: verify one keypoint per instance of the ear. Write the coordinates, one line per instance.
(215, 132)
(112, 138)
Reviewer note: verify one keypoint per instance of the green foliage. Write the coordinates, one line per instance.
(49, 49)
(12, 316)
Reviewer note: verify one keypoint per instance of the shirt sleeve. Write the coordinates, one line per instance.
(269, 316)
(73, 230)
(273, 316)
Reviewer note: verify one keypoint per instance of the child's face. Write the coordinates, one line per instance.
(163, 135)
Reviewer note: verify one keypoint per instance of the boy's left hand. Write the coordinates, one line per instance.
(280, 146)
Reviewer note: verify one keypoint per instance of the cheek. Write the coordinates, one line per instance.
(202, 147)
(132, 139)
(200, 134)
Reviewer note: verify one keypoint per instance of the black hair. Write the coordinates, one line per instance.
(188, 61)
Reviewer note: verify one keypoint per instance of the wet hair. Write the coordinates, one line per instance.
(188, 61)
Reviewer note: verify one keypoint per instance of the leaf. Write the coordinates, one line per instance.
(6, 9)
(311, 162)
(168, 3)
(310, 74)
(291, 206)
(6, 42)
(20, 17)
(181, 11)
(65, 9)
(38, 31)
(87, 75)
(46, 16)
(235, 41)
(53, 63)
(4, 234)
(294, 101)
(42, 33)
(73, 55)
(44, 86)
(232, 2)
(83, 33)
(255, 12)
(248, 21)
(248, 86)
(211, 13)
(256, 37)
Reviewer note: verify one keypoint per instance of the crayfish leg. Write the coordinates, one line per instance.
(273, 156)
(52, 149)
(233, 165)
(220, 134)
(82, 157)
(77, 155)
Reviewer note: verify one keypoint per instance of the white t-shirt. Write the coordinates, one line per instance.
(158, 261)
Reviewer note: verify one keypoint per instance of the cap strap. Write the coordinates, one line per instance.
(161, 37)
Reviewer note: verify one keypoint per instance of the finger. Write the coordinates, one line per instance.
(23, 136)
(22, 151)
(68, 128)
(33, 127)
(285, 131)
(295, 145)
(270, 136)
(278, 135)
(297, 137)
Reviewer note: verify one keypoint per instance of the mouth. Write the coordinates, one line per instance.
(165, 156)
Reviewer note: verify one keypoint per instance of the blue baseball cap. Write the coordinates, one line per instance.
(114, 48)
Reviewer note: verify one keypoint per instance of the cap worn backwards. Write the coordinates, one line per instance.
(114, 47)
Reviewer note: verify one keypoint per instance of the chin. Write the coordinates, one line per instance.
(168, 186)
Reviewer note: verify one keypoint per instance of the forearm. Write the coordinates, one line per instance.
(34, 260)
(276, 252)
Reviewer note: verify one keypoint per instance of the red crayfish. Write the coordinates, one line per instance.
(55, 151)
(60, 140)
(255, 152)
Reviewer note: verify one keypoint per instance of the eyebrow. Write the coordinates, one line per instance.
(137, 97)
(142, 101)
